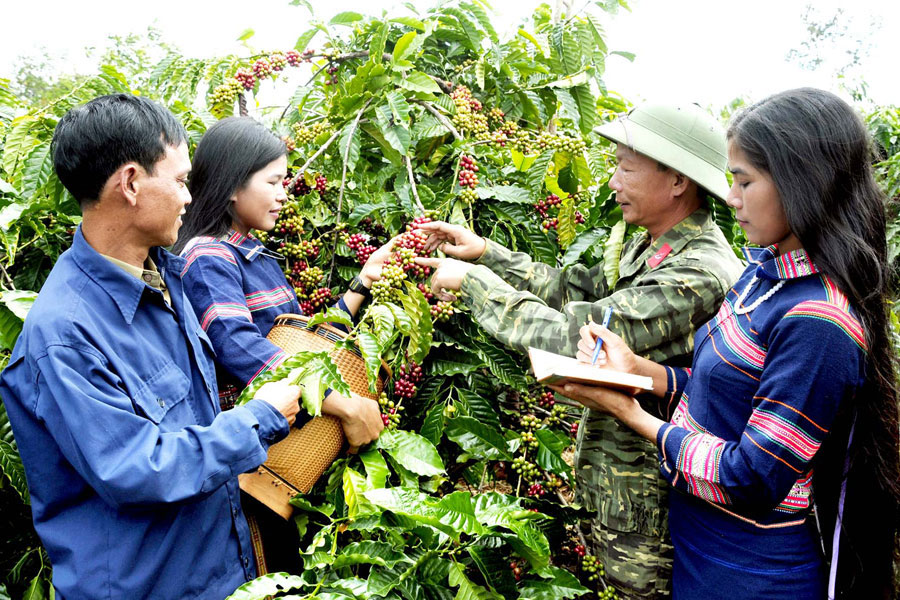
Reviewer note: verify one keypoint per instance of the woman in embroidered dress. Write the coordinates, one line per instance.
(237, 287)
(789, 413)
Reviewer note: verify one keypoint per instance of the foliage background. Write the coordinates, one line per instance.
(389, 141)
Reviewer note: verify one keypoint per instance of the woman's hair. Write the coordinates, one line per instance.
(230, 152)
(819, 155)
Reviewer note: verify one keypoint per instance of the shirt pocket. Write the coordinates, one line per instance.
(159, 394)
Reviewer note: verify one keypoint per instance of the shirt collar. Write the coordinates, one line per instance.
(771, 265)
(246, 245)
(124, 289)
(687, 229)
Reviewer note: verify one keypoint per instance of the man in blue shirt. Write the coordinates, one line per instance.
(111, 388)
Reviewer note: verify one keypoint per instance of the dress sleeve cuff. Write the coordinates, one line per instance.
(668, 443)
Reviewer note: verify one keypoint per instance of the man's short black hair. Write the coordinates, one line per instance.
(93, 140)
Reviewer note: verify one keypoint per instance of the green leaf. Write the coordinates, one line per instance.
(467, 589)
(402, 47)
(582, 77)
(396, 135)
(371, 352)
(345, 18)
(11, 465)
(476, 438)
(453, 514)
(464, 364)
(35, 590)
(299, 501)
(531, 544)
(409, 22)
(612, 252)
(382, 323)
(534, 178)
(399, 108)
(582, 243)
(479, 72)
(246, 35)
(332, 315)
(551, 445)
(433, 425)
(416, 306)
(587, 108)
(502, 365)
(305, 38)
(402, 320)
(417, 81)
(379, 40)
(14, 307)
(268, 585)
(19, 141)
(479, 407)
(349, 145)
(377, 470)
(412, 451)
(505, 193)
(629, 56)
(389, 152)
(563, 585)
(355, 487)
(566, 226)
(370, 553)
(38, 169)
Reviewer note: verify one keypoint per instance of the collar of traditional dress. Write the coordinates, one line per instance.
(771, 265)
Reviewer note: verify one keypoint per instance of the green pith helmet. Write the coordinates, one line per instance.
(684, 138)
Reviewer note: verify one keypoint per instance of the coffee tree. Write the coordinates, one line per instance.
(469, 492)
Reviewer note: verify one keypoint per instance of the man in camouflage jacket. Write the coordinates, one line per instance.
(672, 278)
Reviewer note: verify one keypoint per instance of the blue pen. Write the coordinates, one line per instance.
(599, 346)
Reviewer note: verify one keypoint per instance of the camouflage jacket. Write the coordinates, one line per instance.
(665, 291)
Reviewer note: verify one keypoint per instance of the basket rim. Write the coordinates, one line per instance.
(281, 319)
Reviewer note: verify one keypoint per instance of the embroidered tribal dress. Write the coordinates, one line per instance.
(237, 291)
(761, 397)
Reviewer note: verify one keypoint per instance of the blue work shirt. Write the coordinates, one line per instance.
(132, 468)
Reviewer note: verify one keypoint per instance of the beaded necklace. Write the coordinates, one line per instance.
(740, 309)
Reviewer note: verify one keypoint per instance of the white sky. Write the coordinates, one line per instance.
(706, 51)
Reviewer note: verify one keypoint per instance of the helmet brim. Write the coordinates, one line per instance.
(651, 144)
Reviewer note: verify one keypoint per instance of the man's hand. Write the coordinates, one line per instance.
(282, 396)
(360, 418)
(448, 275)
(453, 240)
(371, 271)
(615, 353)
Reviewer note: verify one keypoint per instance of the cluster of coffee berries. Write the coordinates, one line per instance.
(468, 172)
(316, 300)
(547, 400)
(593, 567)
(442, 311)
(278, 61)
(560, 142)
(580, 550)
(426, 291)
(289, 221)
(289, 144)
(556, 413)
(536, 490)
(306, 279)
(574, 429)
(388, 288)
(321, 183)
(495, 114)
(525, 468)
(390, 411)
(226, 92)
(553, 482)
(529, 422)
(372, 227)
(608, 594)
(464, 65)
(262, 68)
(543, 206)
(468, 115)
(246, 78)
(303, 249)
(410, 376)
(330, 71)
(360, 244)
(301, 188)
(304, 135)
(516, 568)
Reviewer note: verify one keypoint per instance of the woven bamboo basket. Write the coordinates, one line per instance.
(296, 462)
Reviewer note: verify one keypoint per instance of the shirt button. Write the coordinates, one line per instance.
(161, 402)
(246, 561)
(233, 511)
(148, 278)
